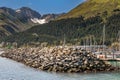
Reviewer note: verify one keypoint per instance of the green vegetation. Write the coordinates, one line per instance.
(92, 8)
(85, 20)
(74, 29)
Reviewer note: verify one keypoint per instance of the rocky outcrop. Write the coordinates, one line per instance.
(50, 17)
(58, 59)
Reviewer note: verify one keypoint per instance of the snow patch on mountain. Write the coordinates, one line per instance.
(18, 10)
(40, 21)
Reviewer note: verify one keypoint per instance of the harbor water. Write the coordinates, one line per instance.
(11, 70)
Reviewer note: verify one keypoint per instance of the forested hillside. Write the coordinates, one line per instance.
(74, 30)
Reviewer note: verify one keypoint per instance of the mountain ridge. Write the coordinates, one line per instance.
(10, 23)
(17, 20)
(91, 8)
(77, 28)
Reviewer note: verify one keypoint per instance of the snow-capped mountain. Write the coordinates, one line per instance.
(12, 21)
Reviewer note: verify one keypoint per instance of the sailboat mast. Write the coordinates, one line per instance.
(91, 43)
(119, 39)
(103, 38)
(64, 41)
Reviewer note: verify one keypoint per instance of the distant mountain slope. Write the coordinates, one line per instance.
(85, 20)
(92, 7)
(75, 31)
(12, 21)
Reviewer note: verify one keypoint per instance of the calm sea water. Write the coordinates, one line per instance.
(11, 70)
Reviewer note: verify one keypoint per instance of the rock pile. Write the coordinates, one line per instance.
(58, 59)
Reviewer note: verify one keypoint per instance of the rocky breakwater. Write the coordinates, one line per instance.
(58, 59)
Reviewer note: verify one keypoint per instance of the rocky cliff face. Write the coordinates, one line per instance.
(27, 14)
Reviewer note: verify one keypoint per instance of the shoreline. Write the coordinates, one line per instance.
(65, 60)
(89, 72)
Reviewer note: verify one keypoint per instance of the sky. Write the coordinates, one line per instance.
(42, 6)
